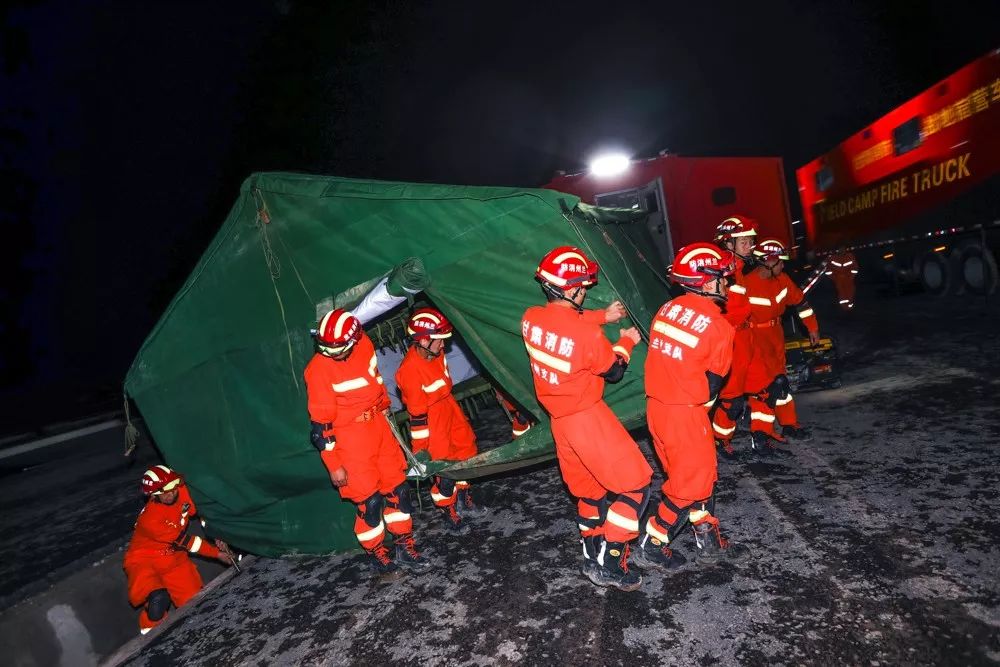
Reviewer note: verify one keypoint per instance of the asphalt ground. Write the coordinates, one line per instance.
(875, 543)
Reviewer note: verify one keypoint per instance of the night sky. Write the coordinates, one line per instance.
(127, 127)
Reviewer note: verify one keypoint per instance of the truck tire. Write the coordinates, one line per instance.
(935, 273)
(978, 270)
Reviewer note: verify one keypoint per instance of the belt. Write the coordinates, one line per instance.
(368, 415)
(763, 325)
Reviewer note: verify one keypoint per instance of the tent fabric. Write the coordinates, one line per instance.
(219, 378)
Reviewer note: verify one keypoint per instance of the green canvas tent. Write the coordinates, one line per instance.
(219, 379)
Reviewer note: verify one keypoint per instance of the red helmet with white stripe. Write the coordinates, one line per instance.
(735, 227)
(701, 263)
(565, 267)
(159, 479)
(338, 332)
(769, 249)
(428, 323)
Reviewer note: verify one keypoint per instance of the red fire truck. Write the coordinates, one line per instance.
(917, 193)
(687, 197)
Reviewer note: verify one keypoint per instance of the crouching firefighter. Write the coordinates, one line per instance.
(600, 463)
(437, 423)
(160, 572)
(770, 292)
(690, 352)
(348, 407)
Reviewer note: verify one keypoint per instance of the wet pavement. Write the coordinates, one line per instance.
(878, 542)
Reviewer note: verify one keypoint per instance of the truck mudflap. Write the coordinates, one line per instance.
(812, 367)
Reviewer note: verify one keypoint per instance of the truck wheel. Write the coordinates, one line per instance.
(978, 270)
(935, 273)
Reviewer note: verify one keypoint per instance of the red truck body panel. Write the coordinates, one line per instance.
(921, 154)
(699, 192)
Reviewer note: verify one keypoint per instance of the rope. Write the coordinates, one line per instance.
(131, 432)
(274, 270)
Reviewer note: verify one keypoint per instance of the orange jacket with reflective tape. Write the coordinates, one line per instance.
(568, 352)
(161, 530)
(688, 337)
(422, 383)
(737, 303)
(340, 391)
(770, 296)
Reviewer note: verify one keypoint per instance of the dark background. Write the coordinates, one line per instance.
(127, 127)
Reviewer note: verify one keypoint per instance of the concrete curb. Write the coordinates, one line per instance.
(135, 646)
(15, 450)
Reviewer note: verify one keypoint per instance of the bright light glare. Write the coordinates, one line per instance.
(609, 165)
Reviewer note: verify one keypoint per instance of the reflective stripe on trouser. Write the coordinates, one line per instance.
(397, 520)
(762, 417)
(784, 412)
(668, 521)
(723, 427)
(596, 456)
(443, 491)
(591, 514)
(369, 537)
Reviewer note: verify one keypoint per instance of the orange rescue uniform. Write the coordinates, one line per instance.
(437, 422)
(348, 397)
(842, 268)
(730, 398)
(689, 336)
(769, 297)
(157, 557)
(569, 353)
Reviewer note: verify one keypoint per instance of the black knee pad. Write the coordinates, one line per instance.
(446, 486)
(734, 408)
(601, 505)
(638, 505)
(779, 388)
(402, 495)
(157, 604)
(370, 510)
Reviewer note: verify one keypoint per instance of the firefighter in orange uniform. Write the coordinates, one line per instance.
(600, 463)
(690, 352)
(770, 292)
(159, 570)
(348, 407)
(737, 235)
(437, 423)
(520, 423)
(842, 269)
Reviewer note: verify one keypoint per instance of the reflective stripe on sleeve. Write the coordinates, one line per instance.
(195, 545)
(420, 433)
(806, 313)
(760, 301)
(781, 295)
(738, 289)
(433, 386)
(349, 385)
(618, 349)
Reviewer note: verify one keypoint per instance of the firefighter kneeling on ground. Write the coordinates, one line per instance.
(770, 292)
(159, 570)
(600, 462)
(690, 352)
(738, 235)
(437, 423)
(349, 407)
(842, 267)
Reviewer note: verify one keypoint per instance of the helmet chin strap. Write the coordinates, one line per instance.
(427, 349)
(560, 294)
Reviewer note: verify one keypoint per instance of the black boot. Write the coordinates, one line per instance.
(453, 521)
(407, 555)
(382, 563)
(652, 553)
(763, 444)
(713, 547)
(612, 570)
(466, 508)
(591, 551)
(726, 449)
(796, 433)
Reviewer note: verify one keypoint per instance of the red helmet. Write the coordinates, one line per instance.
(338, 331)
(769, 248)
(428, 323)
(158, 479)
(734, 227)
(567, 266)
(699, 263)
